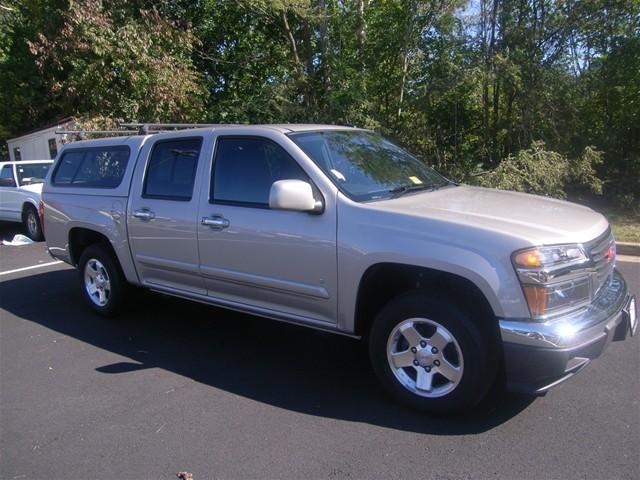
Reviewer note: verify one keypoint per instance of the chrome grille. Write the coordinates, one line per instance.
(603, 259)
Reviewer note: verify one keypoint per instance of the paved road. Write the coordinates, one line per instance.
(177, 386)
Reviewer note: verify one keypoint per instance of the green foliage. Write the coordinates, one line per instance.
(121, 63)
(544, 172)
(114, 59)
(467, 85)
(582, 170)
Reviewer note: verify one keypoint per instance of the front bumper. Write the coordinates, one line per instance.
(538, 356)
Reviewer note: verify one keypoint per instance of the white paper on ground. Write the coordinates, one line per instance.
(18, 240)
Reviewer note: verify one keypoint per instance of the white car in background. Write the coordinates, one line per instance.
(20, 189)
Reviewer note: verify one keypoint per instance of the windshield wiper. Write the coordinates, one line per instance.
(402, 189)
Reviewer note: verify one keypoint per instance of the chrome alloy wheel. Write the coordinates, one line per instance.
(32, 223)
(425, 357)
(96, 282)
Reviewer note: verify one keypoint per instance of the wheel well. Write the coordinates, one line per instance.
(383, 282)
(81, 238)
(26, 205)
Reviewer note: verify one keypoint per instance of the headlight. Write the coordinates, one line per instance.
(555, 279)
(545, 257)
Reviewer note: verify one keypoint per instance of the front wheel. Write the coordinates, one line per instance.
(102, 281)
(432, 355)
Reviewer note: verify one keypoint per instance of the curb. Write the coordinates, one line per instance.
(628, 248)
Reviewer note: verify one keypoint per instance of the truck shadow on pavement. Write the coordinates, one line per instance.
(282, 365)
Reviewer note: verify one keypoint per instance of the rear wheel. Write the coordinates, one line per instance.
(432, 355)
(31, 222)
(102, 281)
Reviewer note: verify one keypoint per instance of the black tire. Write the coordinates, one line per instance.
(478, 350)
(102, 261)
(31, 223)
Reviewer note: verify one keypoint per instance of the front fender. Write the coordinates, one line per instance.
(368, 237)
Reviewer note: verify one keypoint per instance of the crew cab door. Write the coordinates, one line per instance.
(162, 211)
(274, 262)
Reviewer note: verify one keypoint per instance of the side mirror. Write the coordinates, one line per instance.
(7, 182)
(295, 195)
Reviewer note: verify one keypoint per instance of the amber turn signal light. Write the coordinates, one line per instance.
(528, 259)
(537, 299)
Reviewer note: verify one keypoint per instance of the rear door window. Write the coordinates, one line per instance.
(171, 170)
(92, 167)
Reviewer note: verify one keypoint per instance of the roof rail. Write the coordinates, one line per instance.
(82, 133)
(146, 128)
(138, 129)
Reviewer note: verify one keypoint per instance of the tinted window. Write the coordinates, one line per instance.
(102, 168)
(67, 167)
(30, 173)
(172, 169)
(245, 169)
(94, 167)
(6, 172)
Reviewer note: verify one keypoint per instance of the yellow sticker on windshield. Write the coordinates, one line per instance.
(416, 180)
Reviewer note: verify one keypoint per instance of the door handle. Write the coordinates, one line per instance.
(217, 222)
(144, 214)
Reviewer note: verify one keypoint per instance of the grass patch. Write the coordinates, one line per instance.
(624, 223)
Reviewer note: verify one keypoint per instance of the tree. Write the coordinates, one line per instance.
(120, 61)
(466, 84)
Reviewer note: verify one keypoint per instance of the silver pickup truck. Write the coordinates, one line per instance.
(453, 287)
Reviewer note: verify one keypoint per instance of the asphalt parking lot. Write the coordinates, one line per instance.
(176, 386)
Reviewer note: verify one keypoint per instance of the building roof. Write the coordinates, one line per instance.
(57, 123)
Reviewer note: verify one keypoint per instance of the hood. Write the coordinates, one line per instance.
(534, 219)
(34, 187)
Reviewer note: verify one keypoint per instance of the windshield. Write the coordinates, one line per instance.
(365, 165)
(30, 173)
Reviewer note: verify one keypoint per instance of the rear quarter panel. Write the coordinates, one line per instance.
(103, 214)
(102, 210)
